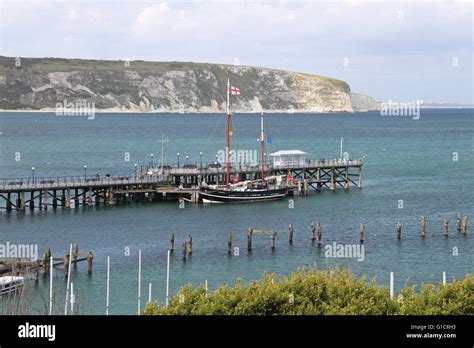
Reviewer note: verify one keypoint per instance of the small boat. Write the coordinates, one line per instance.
(10, 284)
(250, 191)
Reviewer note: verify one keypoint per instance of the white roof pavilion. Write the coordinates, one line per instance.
(288, 158)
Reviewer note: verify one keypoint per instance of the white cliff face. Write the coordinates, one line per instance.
(362, 103)
(166, 87)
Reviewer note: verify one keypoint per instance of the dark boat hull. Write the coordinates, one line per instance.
(224, 196)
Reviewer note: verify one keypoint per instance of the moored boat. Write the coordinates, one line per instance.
(10, 284)
(261, 190)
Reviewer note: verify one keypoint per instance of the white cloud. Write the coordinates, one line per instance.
(380, 39)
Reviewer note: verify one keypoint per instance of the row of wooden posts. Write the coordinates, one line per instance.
(44, 264)
(315, 234)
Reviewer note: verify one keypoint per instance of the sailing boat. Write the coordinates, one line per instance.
(262, 190)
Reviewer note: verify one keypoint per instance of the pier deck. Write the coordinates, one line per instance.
(152, 183)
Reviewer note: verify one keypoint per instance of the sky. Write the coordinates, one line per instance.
(399, 51)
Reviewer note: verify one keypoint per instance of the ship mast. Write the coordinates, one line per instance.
(262, 140)
(227, 137)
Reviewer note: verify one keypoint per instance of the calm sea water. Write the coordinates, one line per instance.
(405, 159)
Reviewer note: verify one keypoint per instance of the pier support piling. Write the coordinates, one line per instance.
(290, 234)
(183, 246)
(423, 227)
(229, 243)
(171, 248)
(464, 225)
(319, 234)
(273, 240)
(190, 244)
(67, 258)
(89, 262)
(459, 221)
(361, 233)
(32, 200)
(399, 230)
(249, 239)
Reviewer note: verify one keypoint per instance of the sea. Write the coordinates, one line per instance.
(413, 167)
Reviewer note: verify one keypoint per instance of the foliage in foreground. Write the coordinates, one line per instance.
(313, 292)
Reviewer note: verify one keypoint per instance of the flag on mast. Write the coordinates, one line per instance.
(234, 90)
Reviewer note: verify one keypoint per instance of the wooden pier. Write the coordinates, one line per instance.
(34, 267)
(167, 183)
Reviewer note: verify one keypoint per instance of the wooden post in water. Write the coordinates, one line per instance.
(312, 232)
(190, 245)
(361, 233)
(249, 239)
(46, 258)
(171, 249)
(66, 264)
(445, 227)
(464, 225)
(37, 267)
(290, 234)
(423, 227)
(184, 250)
(399, 230)
(273, 238)
(319, 234)
(459, 221)
(229, 243)
(89, 262)
(75, 251)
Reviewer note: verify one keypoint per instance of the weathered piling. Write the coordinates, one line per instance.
(399, 230)
(459, 221)
(361, 233)
(319, 234)
(464, 225)
(290, 234)
(423, 227)
(172, 242)
(229, 243)
(75, 252)
(445, 227)
(249, 239)
(89, 262)
(36, 270)
(46, 259)
(184, 250)
(273, 239)
(67, 258)
(312, 232)
(190, 244)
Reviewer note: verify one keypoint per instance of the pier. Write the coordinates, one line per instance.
(161, 183)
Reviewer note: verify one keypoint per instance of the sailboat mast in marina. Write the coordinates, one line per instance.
(264, 189)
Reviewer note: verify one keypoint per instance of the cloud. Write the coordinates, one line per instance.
(380, 40)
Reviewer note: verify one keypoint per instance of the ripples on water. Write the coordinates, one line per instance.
(404, 159)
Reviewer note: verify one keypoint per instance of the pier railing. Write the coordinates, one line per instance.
(157, 175)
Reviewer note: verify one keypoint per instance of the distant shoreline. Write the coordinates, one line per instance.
(221, 112)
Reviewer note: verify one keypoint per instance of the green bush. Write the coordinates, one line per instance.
(313, 292)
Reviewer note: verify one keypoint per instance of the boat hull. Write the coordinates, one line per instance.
(224, 196)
